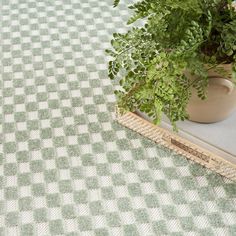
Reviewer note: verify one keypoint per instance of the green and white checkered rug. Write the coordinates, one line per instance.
(66, 167)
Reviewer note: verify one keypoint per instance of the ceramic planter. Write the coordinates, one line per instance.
(220, 102)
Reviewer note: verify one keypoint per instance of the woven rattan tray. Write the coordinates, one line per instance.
(191, 141)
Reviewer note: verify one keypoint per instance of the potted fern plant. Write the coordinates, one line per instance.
(180, 62)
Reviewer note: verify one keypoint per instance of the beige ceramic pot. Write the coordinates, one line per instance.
(220, 102)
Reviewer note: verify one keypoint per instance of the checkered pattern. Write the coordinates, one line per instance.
(66, 168)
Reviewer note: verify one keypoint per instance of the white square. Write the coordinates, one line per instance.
(25, 191)
(56, 113)
(39, 202)
(45, 123)
(47, 143)
(72, 140)
(9, 118)
(24, 167)
(11, 181)
(11, 205)
(53, 188)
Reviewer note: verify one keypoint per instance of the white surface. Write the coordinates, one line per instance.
(220, 137)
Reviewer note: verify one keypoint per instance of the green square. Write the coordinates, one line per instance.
(225, 205)
(30, 90)
(108, 136)
(196, 169)
(151, 201)
(96, 208)
(12, 219)
(9, 147)
(44, 114)
(118, 179)
(113, 219)
(153, 163)
(128, 166)
(130, 230)
(32, 106)
(66, 112)
(134, 189)
(46, 133)
(99, 99)
(18, 84)
(11, 193)
(90, 109)
(25, 204)
(36, 166)
(81, 119)
(98, 148)
(76, 173)
(81, 197)
(92, 183)
(34, 144)
(197, 208)
(70, 130)
(102, 169)
(62, 162)
(20, 116)
(141, 216)
(88, 159)
(65, 186)
(103, 117)
(64, 94)
(22, 136)
(101, 232)
(40, 215)
(216, 220)
(171, 173)
(124, 204)
(86, 92)
(187, 224)
(27, 230)
(48, 153)
(206, 194)
(76, 102)
(85, 223)
(38, 190)
(230, 190)
(53, 200)
(169, 212)
(161, 186)
(215, 179)
(19, 99)
(123, 144)
(144, 176)
(50, 176)
(107, 193)
(74, 85)
(178, 197)
(188, 183)
(113, 157)
(8, 109)
(59, 141)
(73, 150)
(40, 80)
(68, 212)
(51, 88)
(94, 127)
(160, 228)
(56, 227)
(10, 169)
(41, 97)
(22, 156)
(32, 124)
(138, 153)
(53, 104)
(83, 138)
(8, 127)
